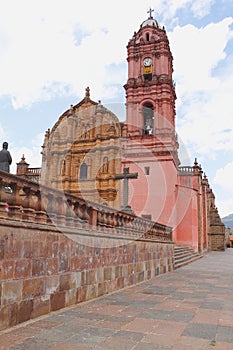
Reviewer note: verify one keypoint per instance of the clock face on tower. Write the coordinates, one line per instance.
(147, 62)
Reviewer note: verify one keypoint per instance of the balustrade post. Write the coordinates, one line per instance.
(10, 202)
(40, 212)
(14, 200)
(3, 208)
(77, 218)
(81, 212)
(85, 213)
(50, 208)
(100, 218)
(70, 214)
(114, 220)
(27, 204)
(60, 211)
(77, 214)
(92, 217)
(105, 219)
(111, 222)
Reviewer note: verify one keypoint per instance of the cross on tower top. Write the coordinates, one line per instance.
(150, 12)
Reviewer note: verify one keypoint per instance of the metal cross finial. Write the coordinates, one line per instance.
(150, 12)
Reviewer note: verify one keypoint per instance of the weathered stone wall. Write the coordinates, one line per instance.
(217, 232)
(42, 270)
(217, 237)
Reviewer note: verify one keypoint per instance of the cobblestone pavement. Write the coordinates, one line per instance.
(189, 308)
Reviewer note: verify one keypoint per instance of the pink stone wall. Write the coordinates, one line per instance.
(42, 270)
(187, 228)
(153, 194)
(186, 232)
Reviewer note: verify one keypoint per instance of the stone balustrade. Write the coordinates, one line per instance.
(24, 200)
(35, 171)
(57, 250)
(185, 170)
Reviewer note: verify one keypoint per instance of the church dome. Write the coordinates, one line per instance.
(150, 22)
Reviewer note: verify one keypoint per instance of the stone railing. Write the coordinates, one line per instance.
(25, 200)
(184, 170)
(32, 174)
(57, 250)
(34, 171)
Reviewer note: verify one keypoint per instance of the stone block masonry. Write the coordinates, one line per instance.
(43, 270)
(57, 250)
(217, 234)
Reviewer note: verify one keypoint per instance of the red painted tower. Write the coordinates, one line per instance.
(151, 146)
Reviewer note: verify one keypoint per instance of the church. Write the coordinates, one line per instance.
(134, 166)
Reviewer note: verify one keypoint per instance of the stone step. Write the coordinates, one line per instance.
(188, 260)
(184, 253)
(184, 256)
(183, 249)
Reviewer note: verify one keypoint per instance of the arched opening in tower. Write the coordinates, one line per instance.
(148, 119)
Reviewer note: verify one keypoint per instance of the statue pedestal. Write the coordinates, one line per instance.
(127, 209)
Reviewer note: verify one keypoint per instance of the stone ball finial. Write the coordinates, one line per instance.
(87, 92)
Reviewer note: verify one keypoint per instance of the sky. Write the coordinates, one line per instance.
(50, 51)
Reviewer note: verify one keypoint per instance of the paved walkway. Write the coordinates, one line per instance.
(190, 308)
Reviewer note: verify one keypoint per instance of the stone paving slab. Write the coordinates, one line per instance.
(189, 308)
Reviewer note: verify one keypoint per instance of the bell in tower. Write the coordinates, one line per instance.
(148, 119)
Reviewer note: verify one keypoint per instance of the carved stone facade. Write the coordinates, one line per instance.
(82, 153)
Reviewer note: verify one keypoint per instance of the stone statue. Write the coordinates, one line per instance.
(5, 158)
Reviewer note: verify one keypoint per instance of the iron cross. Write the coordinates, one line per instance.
(150, 12)
(125, 177)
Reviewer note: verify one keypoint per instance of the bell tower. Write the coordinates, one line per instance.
(151, 147)
(150, 85)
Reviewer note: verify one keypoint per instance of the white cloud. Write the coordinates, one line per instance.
(201, 8)
(224, 188)
(205, 108)
(196, 52)
(169, 8)
(46, 54)
(1, 132)
(225, 206)
(59, 47)
(224, 176)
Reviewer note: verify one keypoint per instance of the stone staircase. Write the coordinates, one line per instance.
(184, 256)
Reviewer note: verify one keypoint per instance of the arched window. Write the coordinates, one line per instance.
(148, 119)
(83, 171)
(147, 37)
